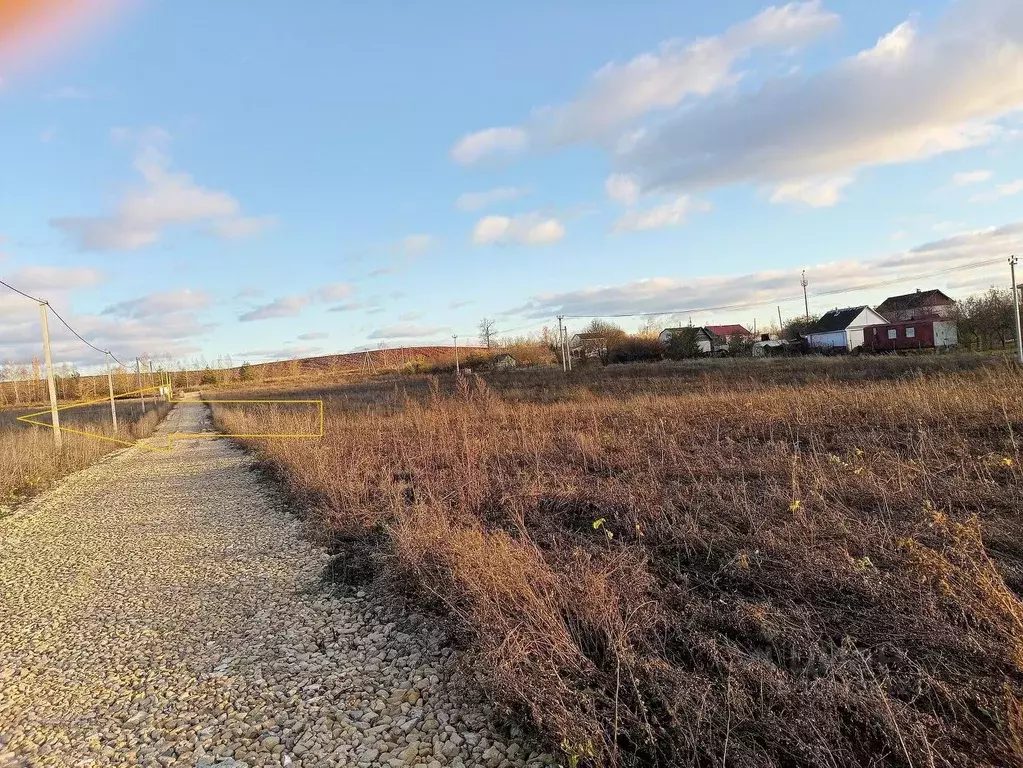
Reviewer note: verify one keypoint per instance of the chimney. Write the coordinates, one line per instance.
(918, 290)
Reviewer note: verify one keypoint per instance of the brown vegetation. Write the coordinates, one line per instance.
(29, 462)
(800, 563)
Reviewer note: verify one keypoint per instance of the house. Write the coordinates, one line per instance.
(728, 332)
(587, 344)
(842, 329)
(920, 305)
(705, 340)
(503, 361)
(914, 334)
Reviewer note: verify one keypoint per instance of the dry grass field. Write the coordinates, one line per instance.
(759, 563)
(29, 462)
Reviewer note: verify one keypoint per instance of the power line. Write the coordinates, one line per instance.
(65, 323)
(794, 297)
(7, 285)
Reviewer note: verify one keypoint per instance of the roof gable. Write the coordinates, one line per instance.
(728, 330)
(836, 320)
(915, 300)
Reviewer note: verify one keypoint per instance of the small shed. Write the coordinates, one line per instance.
(842, 329)
(915, 334)
(503, 362)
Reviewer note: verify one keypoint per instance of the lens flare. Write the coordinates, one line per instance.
(36, 31)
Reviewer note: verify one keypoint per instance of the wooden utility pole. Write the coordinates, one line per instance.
(110, 385)
(806, 304)
(1015, 303)
(54, 413)
(561, 345)
(142, 394)
(457, 369)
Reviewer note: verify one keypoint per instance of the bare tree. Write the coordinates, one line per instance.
(486, 327)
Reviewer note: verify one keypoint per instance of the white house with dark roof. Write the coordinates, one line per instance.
(842, 328)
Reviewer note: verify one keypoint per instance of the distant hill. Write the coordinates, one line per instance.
(372, 359)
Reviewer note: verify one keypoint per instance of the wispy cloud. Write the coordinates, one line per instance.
(294, 304)
(407, 331)
(670, 214)
(527, 229)
(166, 199)
(474, 201)
(970, 177)
(620, 94)
(670, 294)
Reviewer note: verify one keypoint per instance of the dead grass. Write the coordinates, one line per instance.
(29, 462)
(753, 565)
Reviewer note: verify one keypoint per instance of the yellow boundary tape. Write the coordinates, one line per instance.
(31, 418)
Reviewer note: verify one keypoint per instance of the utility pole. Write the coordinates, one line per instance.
(561, 345)
(781, 325)
(1015, 303)
(54, 414)
(806, 305)
(458, 371)
(568, 350)
(142, 394)
(110, 385)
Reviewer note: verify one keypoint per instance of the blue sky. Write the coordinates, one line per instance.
(192, 178)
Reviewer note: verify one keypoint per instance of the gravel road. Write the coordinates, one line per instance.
(161, 609)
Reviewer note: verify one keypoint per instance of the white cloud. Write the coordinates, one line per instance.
(817, 193)
(970, 177)
(670, 214)
(1002, 190)
(166, 199)
(474, 201)
(474, 146)
(241, 227)
(334, 292)
(408, 316)
(620, 94)
(767, 288)
(294, 304)
(622, 188)
(912, 96)
(406, 331)
(160, 303)
(351, 306)
(314, 336)
(416, 245)
(286, 306)
(527, 229)
(1013, 188)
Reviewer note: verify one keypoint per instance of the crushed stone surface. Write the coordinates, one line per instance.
(162, 609)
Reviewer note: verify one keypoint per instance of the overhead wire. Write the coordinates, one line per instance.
(64, 322)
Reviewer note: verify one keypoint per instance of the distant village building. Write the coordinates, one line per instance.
(919, 305)
(841, 329)
(587, 344)
(707, 343)
(728, 332)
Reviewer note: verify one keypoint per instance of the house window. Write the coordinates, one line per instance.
(910, 333)
(893, 332)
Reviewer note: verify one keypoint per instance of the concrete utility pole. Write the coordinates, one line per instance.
(806, 305)
(110, 385)
(142, 395)
(458, 371)
(54, 413)
(561, 344)
(1015, 303)
(568, 350)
